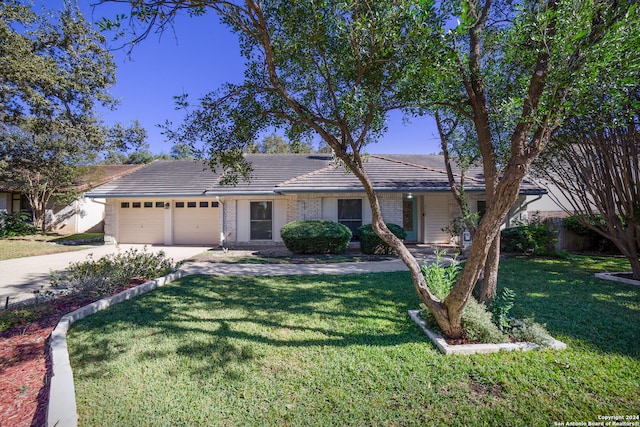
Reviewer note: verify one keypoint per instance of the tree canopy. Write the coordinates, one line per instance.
(54, 73)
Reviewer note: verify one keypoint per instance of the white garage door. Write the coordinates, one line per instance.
(196, 223)
(141, 222)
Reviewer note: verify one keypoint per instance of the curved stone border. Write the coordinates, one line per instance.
(614, 278)
(62, 410)
(445, 348)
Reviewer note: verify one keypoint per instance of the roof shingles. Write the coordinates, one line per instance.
(292, 173)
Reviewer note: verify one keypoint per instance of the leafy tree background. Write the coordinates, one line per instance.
(54, 74)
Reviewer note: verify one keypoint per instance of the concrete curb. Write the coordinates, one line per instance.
(445, 348)
(62, 410)
(614, 278)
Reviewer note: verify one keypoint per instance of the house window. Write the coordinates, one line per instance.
(214, 204)
(350, 214)
(179, 204)
(124, 205)
(204, 204)
(148, 204)
(261, 220)
(159, 204)
(136, 204)
(191, 204)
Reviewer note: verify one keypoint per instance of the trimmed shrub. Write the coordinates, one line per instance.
(371, 243)
(533, 239)
(316, 236)
(16, 224)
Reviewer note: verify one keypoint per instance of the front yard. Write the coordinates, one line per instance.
(340, 350)
(26, 246)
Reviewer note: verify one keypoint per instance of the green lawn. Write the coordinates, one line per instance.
(26, 246)
(327, 350)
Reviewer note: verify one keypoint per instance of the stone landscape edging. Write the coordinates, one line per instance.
(439, 341)
(62, 409)
(614, 278)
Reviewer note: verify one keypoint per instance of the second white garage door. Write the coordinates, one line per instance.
(196, 223)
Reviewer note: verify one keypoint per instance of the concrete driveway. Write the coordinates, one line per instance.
(20, 277)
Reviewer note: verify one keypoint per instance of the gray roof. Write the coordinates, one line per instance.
(292, 173)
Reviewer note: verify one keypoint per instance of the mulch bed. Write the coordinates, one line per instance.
(25, 364)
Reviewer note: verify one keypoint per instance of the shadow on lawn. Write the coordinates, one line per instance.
(603, 315)
(218, 322)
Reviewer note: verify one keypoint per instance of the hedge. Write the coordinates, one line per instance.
(371, 243)
(316, 237)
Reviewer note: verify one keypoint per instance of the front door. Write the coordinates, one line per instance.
(410, 218)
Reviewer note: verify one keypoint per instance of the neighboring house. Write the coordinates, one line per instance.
(81, 215)
(181, 202)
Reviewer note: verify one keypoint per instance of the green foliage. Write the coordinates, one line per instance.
(578, 224)
(531, 239)
(478, 325)
(55, 75)
(316, 237)
(277, 144)
(114, 271)
(581, 226)
(23, 314)
(501, 307)
(371, 243)
(55, 69)
(529, 331)
(16, 224)
(441, 276)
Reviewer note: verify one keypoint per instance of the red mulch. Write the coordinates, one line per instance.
(25, 366)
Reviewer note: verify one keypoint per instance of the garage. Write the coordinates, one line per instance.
(141, 222)
(196, 223)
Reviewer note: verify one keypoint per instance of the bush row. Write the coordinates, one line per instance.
(329, 237)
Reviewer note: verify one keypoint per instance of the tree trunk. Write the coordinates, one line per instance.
(490, 280)
(635, 268)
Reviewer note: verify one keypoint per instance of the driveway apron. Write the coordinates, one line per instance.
(21, 277)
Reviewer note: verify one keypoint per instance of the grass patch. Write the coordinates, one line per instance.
(79, 237)
(339, 350)
(26, 246)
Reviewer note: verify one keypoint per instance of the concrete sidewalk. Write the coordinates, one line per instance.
(20, 277)
(290, 269)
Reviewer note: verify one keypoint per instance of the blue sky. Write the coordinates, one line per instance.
(201, 56)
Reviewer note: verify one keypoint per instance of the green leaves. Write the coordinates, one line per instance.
(54, 72)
